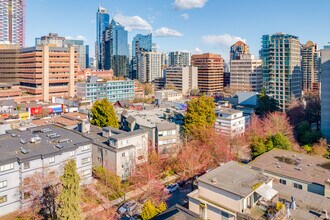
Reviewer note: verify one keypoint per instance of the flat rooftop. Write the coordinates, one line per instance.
(294, 165)
(235, 178)
(53, 141)
(228, 111)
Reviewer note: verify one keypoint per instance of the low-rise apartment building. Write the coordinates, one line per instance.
(296, 170)
(167, 95)
(43, 149)
(230, 122)
(231, 191)
(95, 88)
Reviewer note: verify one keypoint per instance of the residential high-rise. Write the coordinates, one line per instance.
(310, 66)
(246, 74)
(141, 43)
(80, 49)
(150, 66)
(325, 92)
(210, 72)
(47, 71)
(179, 58)
(102, 22)
(281, 67)
(238, 50)
(115, 48)
(9, 63)
(184, 78)
(12, 22)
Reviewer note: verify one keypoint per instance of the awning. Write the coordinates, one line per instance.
(57, 110)
(266, 192)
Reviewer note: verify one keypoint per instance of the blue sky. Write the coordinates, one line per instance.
(192, 25)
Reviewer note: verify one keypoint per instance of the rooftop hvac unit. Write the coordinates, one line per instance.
(24, 151)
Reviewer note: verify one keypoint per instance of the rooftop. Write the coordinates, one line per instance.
(294, 165)
(228, 111)
(235, 178)
(36, 142)
(177, 212)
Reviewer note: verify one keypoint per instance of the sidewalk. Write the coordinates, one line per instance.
(129, 195)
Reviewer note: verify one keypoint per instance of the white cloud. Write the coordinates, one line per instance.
(198, 50)
(133, 23)
(167, 32)
(185, 16)
(222, 40)
(78, 37)
(189, 4)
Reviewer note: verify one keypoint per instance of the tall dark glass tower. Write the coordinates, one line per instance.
(102, 22)
(141, 43)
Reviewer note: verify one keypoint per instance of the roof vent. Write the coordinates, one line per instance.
(278, 166)
(23, 141)
(298, 168)
(46, 130)
(310, 164)
(36, 140)
(14, 135)
(214, 180)
(59, 146)
(24, 151)
(64, 141)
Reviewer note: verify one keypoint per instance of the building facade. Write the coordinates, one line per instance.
(184, 78)
(310, 66)
(115, 49)
(12, 22)
(239, 50)
(325, 92)
(102, 22)
(141, 43)
(114, 90)
(43, 149)
(210, 72)
(246, 74)
(230, 122)
(9, 63)
(150, 66)
(179, 58)
(47, 72)
(280, 54)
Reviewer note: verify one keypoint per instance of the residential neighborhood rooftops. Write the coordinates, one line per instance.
(36, 142)
(295, 165)
(177, 212)
(235, 178)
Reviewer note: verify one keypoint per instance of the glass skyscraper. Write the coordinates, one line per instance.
(281, 67)
(141, 43)
(116, 53)
(102, 22)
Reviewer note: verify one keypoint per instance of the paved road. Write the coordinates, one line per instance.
(179, 196)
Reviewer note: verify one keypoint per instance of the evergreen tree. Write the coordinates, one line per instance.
(200, 115)
(103, 114)
(266, 104)
(149, 210)
(69, 198)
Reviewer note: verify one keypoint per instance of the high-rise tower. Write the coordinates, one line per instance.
(102, 22)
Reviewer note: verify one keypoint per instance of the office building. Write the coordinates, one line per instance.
(184, 78)
(9, 63)
(80, 48)
(325, 92)
(150, 66)
(210, 72)
(310, 66)
(43, 149)
(115, 49)
(239, 50)
(46, 71)
(114, 90)
(141, 43)
(87, 57)
(102, 22)
(280, 54)
(246, 74)
(51, 39)
(12, 22)
(179, 58)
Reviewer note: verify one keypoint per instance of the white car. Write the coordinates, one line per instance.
(171, 188)
(127, 207)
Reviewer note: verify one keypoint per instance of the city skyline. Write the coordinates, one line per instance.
(179, 24)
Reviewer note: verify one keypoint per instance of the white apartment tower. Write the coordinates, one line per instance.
(150, 66)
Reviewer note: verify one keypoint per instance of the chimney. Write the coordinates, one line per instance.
(84, 126)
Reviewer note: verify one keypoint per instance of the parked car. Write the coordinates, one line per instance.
(182, 183)
(127, 207)
(171, 188)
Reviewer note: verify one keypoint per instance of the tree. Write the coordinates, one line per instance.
(149, 210)
(296, 113)
(258, 146)
(69, 199)
(194, 92)
(281, 141)
(103, 114)
(320, 148)
(147, 88)
(313, 109)
(277, 122)
(170, 86)
(266, 104)
(200, 114)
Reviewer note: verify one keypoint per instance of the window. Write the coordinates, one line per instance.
(86, 173)
(52, 160)
(72, 153)
(85, 148)
(123, 154)
(26, 165)
(3, 184)
(6, 167)
(3, 199)
(282, 181)
(224, 216)
(296, 185)
(85, 160)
